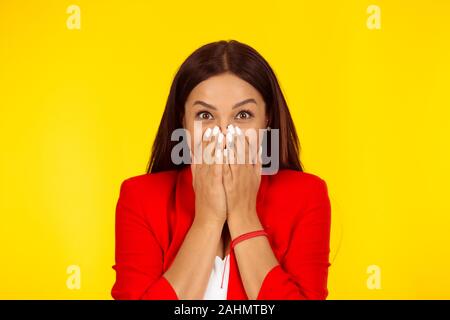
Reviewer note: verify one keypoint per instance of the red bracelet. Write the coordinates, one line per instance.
(242, 237)
(246, 236)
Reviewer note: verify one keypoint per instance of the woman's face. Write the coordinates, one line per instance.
(222, 100)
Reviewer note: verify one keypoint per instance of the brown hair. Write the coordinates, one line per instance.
(213, 59)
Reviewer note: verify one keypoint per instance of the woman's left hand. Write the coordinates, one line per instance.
(241, 183)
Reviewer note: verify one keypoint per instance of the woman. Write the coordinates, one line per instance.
(179, 224)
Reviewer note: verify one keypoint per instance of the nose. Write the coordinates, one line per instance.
(222, 126)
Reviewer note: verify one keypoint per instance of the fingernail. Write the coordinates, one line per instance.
(230, 129)
(238, 131)
(215, 130)
(207, 133)
(220, 138)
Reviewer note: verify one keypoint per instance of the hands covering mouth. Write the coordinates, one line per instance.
(228, 145)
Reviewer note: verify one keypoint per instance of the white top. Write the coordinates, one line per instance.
(214, 290)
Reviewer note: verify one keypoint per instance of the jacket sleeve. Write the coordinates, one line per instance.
(138, 256)
(303, 272)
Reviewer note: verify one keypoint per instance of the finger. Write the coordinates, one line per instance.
(231, 132)
(228, 155)
(207, 134)
(225, 155)
(227, 174)
(254, 151)
(220, 148)
(206, 138)
(196, 169)
(209, 151)
(248, 152)
(218, 163)
(258, 164)
(196, 152)
(229, 147)
(237, 153)
(239, 147)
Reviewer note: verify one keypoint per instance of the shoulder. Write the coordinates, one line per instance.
(295, 182)
(298, 191)
(149, 183)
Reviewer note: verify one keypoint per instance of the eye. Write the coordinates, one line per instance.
(244, 114)
(204, 115)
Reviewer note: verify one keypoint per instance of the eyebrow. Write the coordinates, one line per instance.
(251, 100)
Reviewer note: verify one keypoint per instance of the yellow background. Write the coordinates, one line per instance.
(80, 108)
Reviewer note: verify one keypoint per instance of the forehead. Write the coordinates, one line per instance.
(224, 89)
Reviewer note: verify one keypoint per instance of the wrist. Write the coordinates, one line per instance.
(208, 223)
(244, 225)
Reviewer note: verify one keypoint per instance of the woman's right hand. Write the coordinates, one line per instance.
(210, 200)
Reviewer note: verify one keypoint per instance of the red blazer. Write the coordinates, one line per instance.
(155, 211)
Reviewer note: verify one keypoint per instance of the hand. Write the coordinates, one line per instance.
(241, 183)
(210, 199)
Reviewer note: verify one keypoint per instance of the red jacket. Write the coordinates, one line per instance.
(155, 211)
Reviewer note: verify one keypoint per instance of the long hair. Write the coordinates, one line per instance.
(214, 59)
